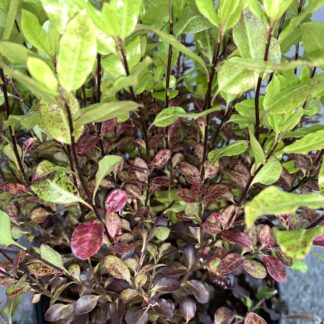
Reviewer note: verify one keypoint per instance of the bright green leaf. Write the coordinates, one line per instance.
(77, 53)
(162, 233)
(321, 178)
(50, 255)
(308, 143)
(299, 265)
(269, 174)
(312, 37)
(34, 32)
(127, 13)
(233, 149)
(276, 8)
(206, 8)
(59, 190)
(256, 148)
(41, 72)
(10, 18)
(297, 243)
(5, 229)
(273, 201)
(106, 166)
(229, 12)
(14, 53)
(168, 116)
(101, 112)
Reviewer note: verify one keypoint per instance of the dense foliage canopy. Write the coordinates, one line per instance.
(161, 161)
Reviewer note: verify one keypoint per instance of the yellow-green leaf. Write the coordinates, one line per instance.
(78, 49)
(273, 201)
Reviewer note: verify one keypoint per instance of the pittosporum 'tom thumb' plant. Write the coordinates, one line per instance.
(161, 160)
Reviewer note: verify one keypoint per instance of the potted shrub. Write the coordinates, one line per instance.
(161, 161)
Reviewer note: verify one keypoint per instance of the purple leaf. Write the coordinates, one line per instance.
(212, 224)
(115, 201)
(223, 315)
(114, 224)
(87, 239)
(275, 268)
(190, 172)
(161, 158)
(237, 238)
(188, 308)
(229, 264)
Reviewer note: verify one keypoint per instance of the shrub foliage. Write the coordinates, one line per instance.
(157, 156)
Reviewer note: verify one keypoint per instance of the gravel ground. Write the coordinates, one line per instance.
(304, 292)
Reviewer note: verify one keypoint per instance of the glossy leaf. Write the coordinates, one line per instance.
(59, 190)
(312, 39)
(106, 166)
(272, 201)
(253, 318)
(85, 304)
(297, 243)
(115, 201)
(41, 72)
(310, 142)
(275, 268)
(229, 13)
(77, 52)
(58, 312)
(223, 315)
(237, 238)
(105, 111)
(206, 8)
(256, 149)
(50, 255)
(126, 13)
(188, 308)
(269, 174)
(34, 32)
(233, 149)
(87, 239)
(5, 232)
(114, 224)
(255, 269)
(168, 116)
(117, 268)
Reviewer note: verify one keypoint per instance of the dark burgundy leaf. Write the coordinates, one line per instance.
(141, 170)
(58, 312)
(211, 170)
(287, 260)
(85, 304)
(87, 239)
(86, 143)
(115, 201)
(14, 188)
(212, 224)
(108, 126)
(223, 315)
(187, 195)
(188, 308)
(252, 318)
(159, 182)
(265, 236)
(319, 240)
(161, 158)
(275, 268)
(28, 144)
(228, 216)
(121, 248)
(237, 238)
(216, 192)
(114, 224)
(240, 175)
(175, 269)
(190, 172)
(229, 264)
